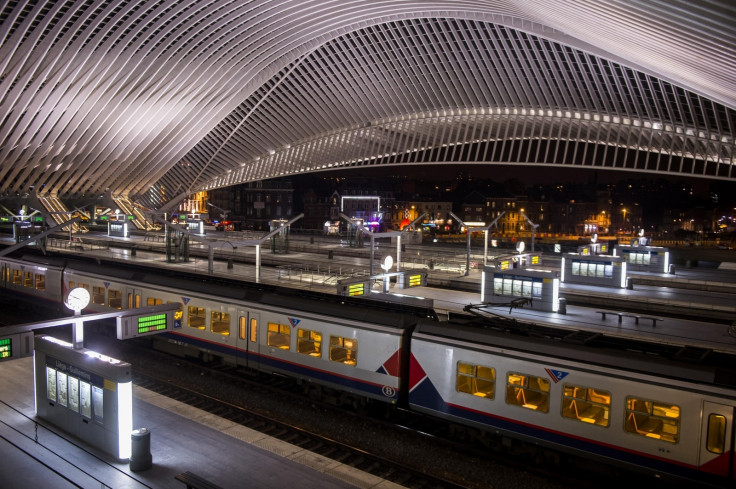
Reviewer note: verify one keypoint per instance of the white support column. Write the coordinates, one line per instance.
(398, 253)
(78, 332)
(258, 263)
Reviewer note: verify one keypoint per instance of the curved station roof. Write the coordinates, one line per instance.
(154, 99)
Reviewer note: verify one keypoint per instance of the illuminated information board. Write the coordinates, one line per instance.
(15, 346)
(152, 324)
(356, 289)
(145, 324)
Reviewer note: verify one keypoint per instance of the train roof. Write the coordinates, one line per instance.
(384, 313)
(635, 356)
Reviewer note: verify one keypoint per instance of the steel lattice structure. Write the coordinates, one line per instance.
(154, 99)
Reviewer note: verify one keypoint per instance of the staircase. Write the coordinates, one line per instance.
(130, 209)
(59, 213)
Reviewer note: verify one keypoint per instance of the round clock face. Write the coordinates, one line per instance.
(77, 299)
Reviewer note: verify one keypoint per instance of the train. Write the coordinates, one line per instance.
(665, 417)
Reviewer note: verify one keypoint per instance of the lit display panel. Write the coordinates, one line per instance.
(356, 289)
(415, 280)
(150, 324)
(6, 348)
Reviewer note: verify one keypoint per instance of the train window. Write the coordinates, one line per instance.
(220, 323)
(134, 300)
(6, 274)
(114, 299)
(241, 327)
(98, 295)
(40, 281)
(253, 330)
(586, 404)
(716, 441)
(27, 279)
(279, 335)
(343, 350)
(652, 419)
(17, 277)
(476, 380)
(527, 391)
(197, 317)
(152, 301)
(309, 342)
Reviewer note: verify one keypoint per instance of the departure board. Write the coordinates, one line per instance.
(356, 289)
(6, 348)
(153, 323)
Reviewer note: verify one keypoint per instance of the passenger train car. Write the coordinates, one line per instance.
(666, 417)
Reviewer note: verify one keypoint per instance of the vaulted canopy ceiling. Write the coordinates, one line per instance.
(153, 99)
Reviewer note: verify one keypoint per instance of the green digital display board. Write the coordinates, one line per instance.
(6, 348)
(151, 324)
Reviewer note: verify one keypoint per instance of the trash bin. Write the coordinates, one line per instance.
(629, 283)
(562, 309)
(672, 269)
(140, 449)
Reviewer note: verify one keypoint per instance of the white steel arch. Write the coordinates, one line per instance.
(151, 98)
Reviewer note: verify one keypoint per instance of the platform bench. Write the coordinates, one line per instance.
(636, 317)
(193, 481)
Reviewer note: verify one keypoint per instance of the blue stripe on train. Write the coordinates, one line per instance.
(426, 396)
(341, 381)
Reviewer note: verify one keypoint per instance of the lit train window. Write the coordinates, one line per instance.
(476, 380)
(279, 335)
(115, 299)
(241, 327)
(344, 350)
(586, 404)
(253, 330)
(220, 323)
(527, 391)
(6, 274)
(152, 301)
(16, 277)
(197, 317)
(716, 441)
(27, 279)
(40, 281)
(309, 342)
(98, 295)
(134, 300)
(652, 419)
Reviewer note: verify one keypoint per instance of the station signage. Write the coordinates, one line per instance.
(144, 324)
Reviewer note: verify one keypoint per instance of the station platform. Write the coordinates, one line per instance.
(182, 438)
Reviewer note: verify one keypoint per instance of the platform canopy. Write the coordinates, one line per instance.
(152, 99)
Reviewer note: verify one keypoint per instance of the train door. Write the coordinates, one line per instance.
(717, 440)
(247, 342)
(132, 298)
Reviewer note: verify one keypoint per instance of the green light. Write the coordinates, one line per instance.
(149, 324)
(6, 348)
